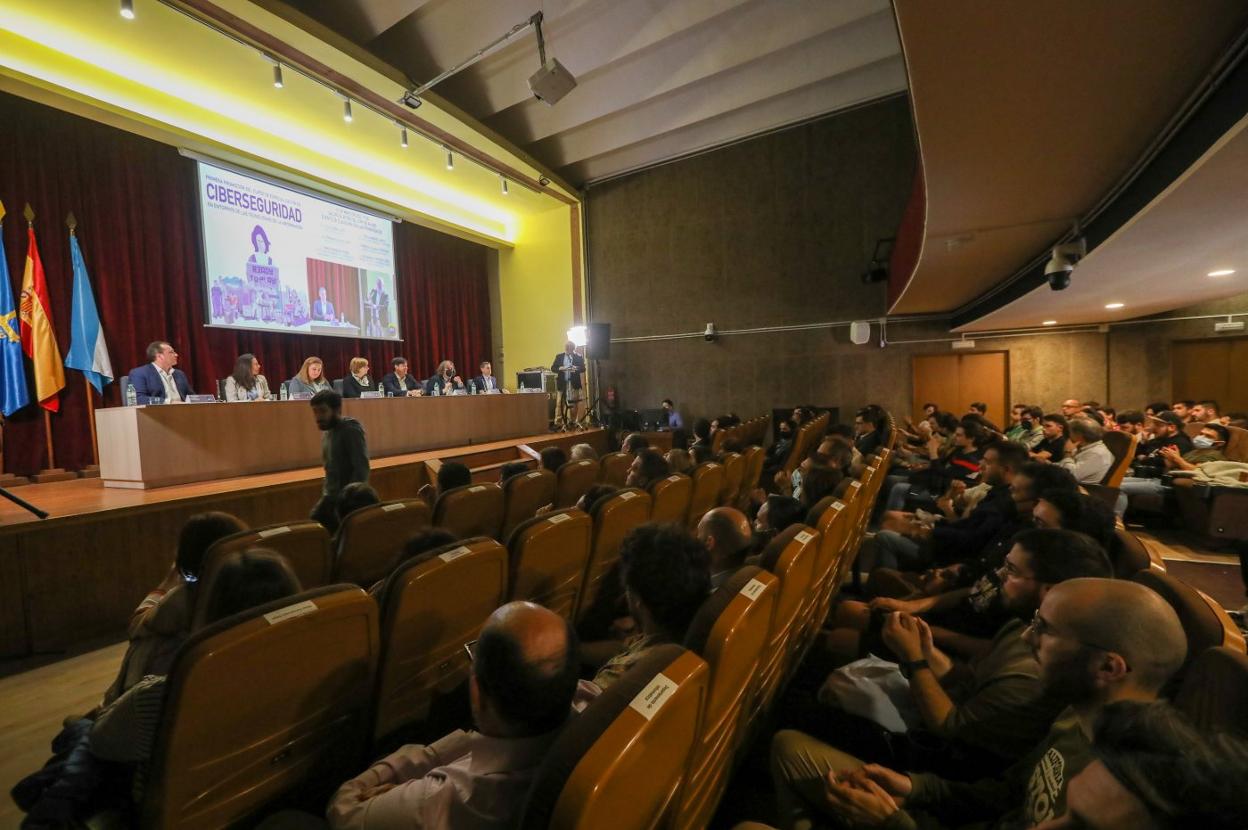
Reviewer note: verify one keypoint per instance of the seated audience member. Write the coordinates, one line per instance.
(1071, 407)
(1183, 409)
(344, 448)
(1092, 415)
(524, 677)
(1156, 408)
(647, 468)
(553, 458)
(310, 378)
(634, 443)
(701, 453)
(1151, 770)
(246, 383)
(512, 469)
(776, 514)
(1056, 431)
(355, 495)
(818, 481)
(159, 380)
(1131, 422)
(1097, 642)
(584, 452)
(679, 461)
(871, 423)
(451, 474)
(485, 382)
(1205, 412)
(725, 533)
(701, 433)
(778, 452)
(671, 416)
(1091, 460)
(666, 576)
(163, 619)
(593, 494)
(400, 383)
(960, 465)
(978, 408)
(992, 708)
(1206, 447)
(358, 381)
(1168, 431)
(126, 729)
(444, 381)
(1109, 417)
(1032, 427)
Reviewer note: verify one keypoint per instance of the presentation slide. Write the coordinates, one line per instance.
(279, 260)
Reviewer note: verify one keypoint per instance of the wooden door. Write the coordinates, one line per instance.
(1211, 369)
(955, 381)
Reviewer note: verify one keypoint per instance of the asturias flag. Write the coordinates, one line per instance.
(38, 336)
(13, 394)
(87, 350)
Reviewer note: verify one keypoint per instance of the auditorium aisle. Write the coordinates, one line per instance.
(34, 703)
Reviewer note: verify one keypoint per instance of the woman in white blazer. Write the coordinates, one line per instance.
(247, 384)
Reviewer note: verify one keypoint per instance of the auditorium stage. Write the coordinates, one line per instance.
(76, 576)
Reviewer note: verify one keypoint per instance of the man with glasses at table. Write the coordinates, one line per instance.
(524, 676)
(1096, 641)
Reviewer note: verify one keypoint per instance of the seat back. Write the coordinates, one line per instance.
(1122, 445)
(523, 496)
(670, 498)
(1236, 448)
(752, 458)
(471, 510)
(262, 704)
(613, 468)
(734, 474)
(708, 482)
(371, 538)
(305, 544)
(1214, 690)
(792, 557)
(548, 558)
(626, 754)
(1205, 622)
(573, 480)
(1128, 554)
(729, 632)
(832, 566)
(427, 615)
(613, 516)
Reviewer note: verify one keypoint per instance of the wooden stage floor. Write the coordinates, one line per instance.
(76, 576)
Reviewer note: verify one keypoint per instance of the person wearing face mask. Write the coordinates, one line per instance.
(1206, 447)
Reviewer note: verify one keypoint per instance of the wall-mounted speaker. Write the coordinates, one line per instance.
(859, 332)
(598, 341)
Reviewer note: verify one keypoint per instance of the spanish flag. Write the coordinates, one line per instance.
(38, 336)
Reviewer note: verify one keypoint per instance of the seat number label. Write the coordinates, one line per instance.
(651, 699)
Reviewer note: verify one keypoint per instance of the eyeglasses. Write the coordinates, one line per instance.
(1040, 626)
(470, 648)
(1010, 569)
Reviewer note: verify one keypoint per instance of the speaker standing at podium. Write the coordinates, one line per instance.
(569, 369)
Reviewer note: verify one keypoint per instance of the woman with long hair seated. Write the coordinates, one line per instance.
(310, 378)
(358, 381)
(246, 383)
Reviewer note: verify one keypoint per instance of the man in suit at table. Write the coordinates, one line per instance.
(323, 309)
(159, 380)
(485, 382)
(569, 367)
(400, 383)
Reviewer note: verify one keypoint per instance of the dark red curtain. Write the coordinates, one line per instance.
(139, 229)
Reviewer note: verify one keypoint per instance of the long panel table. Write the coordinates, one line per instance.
(158, 446)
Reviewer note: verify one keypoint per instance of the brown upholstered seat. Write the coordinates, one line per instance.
(1215, 690)
(613, 468)
(573, 480)
(1122, 445)
(734, 474)
(669, 498)
(813, 515)
(430, 607)
(619, 762)
(1205, 622)
(729, 632)
(708, 482)
(523, 496)
(471, 510)
(305, 544)
(751, 472)
(262, 704)
(833, 563)
(1128, 554)
(792, 557)
(548, 558)
(372, 537)
(613, 516)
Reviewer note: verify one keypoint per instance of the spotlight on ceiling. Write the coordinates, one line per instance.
(1225, 272)
(411, 100)
(403, 136)
(503, 179)
(277, 76)
(450, 160)
(346, 110)
(1113, 306)
(127, 9)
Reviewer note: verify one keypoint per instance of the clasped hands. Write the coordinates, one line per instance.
(867, 796)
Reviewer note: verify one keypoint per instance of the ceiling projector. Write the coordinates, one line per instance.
(550, 83)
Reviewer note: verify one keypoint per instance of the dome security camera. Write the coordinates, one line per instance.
(1062, 262)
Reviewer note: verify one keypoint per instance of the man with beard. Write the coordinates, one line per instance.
(1096, 641)
(344, 451)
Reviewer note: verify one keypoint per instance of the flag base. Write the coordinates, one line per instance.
(8, 480)
(54, 474)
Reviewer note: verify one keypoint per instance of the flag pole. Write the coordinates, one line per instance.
(29, 213)
(72, 223)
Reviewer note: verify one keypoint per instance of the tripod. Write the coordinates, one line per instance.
(22, 503)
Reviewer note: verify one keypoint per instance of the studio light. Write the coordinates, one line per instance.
(346, 110)
(503, 179)
(277, 76)
(450, 160)
(578, 335)
(127, 9)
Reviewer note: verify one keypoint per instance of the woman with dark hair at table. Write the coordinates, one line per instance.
(358, 380)
(247, 384)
